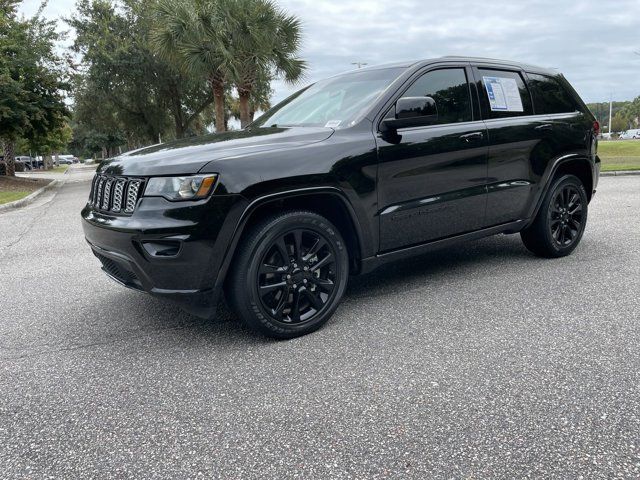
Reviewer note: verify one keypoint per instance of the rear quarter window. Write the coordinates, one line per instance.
(549, 95)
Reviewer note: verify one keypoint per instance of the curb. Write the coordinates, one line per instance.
(620, 173)
(31, 197)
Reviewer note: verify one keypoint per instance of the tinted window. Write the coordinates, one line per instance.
(549, 95)
(508, 96)
(449, 89)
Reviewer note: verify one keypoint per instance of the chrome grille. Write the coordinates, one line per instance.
(132, 196)
(101, 181)
(115, 194)
(106, 196)
(94, 191)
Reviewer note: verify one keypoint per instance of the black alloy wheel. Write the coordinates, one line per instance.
(561, 219)
(566, 215)
(289, 275)
(297, 276)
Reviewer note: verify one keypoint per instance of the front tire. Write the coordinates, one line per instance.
(561, 220)
(290, 274)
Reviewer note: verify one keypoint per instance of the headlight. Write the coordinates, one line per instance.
(180, 188)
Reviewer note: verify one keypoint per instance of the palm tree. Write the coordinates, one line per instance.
(261, 41)
(187, 33)
(247, 42)
(260, 100)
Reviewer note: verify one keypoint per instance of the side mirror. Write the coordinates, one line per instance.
(412, 112)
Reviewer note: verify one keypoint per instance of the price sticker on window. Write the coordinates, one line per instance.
(503, 93)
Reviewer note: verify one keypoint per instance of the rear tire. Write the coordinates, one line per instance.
(289, 275)
(561, 220)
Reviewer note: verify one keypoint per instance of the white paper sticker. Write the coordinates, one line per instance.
(333, 123)
(503, 93)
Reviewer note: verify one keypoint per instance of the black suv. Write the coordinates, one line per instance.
(347, 174)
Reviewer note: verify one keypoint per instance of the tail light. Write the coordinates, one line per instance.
(596, 127)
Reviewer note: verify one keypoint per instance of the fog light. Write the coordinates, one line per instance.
(162, 249)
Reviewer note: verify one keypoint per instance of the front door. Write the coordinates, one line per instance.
(432, 179)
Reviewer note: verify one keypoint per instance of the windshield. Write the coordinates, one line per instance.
(336, 102)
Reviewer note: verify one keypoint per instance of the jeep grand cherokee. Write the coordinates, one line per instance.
(347, 174)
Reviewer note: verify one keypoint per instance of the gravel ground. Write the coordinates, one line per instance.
(479, 361)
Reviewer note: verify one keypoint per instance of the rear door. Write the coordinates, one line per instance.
(526, 135)
(507, 108)
(432, 178)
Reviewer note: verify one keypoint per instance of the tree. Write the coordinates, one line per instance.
(601, 110)
(260, 97)
(244, 42)
(144, 95)
(258, 101)
(632, 112)
(261, 42)
(188, 34)
(105, 128)
(31, 80)
(620, 122)
(54, 142)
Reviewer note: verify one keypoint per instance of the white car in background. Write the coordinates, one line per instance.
(630, 134)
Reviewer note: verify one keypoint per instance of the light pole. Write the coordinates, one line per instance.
(610, 113)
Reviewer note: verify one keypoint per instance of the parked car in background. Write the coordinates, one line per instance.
(28, 163)
(633, 134)
(342, 177)
(67, 159)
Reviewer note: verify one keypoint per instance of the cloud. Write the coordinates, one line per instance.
(591, 42)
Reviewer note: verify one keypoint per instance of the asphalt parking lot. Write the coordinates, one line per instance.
(480, 361)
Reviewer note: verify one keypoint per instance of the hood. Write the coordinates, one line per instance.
(189, 155)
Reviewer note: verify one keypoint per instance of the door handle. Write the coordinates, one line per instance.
(544, 128)
(470, 137)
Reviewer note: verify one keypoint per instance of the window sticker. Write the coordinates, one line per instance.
(333, 123)
(503, 93)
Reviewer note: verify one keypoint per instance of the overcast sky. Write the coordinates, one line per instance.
(591, 42)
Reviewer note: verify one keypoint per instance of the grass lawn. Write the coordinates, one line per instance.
(6, 197)
(59, 169)
(15, 188)
(619, 155)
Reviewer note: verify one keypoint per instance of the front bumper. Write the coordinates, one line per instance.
(172, 250)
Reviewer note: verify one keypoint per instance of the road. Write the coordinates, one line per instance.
(479, 361)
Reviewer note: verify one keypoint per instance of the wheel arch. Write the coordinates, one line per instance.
(579, 166)
(329, 202)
